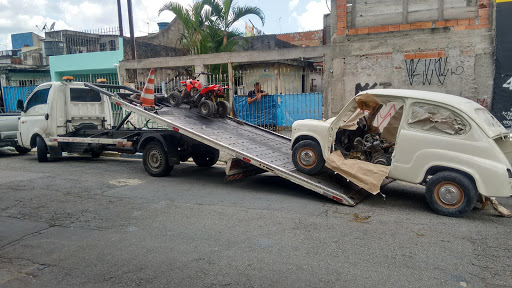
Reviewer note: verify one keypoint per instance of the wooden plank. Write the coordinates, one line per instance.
(460, 13)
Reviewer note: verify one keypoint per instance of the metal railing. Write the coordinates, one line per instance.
(72, 42)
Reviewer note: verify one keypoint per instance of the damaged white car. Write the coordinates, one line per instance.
(450, 144)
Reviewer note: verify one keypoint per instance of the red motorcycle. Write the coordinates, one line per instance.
(204, 98)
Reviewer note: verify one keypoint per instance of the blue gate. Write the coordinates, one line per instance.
(11, 94)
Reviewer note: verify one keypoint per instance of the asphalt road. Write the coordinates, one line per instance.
(84, 222)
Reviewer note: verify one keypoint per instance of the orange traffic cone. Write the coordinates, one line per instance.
(148, 94)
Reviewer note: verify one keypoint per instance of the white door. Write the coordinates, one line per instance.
(34, 119)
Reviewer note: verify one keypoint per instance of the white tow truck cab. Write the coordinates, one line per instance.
(57, 108)
(450, 144)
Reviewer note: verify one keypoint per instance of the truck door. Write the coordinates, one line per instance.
(34, 120)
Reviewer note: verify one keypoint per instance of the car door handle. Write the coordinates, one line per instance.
(46, 116)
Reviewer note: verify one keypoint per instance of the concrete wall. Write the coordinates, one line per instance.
(304, 39)
(443, 60)
(94, 62)
(169, 36)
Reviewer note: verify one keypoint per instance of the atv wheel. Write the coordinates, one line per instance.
(175, 99)
(206, 108)
(222, 109)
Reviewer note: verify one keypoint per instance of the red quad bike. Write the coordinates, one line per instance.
(204, 98)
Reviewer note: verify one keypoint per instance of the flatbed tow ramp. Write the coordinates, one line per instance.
(240, 140)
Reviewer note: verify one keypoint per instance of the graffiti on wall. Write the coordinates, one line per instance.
(367, 86)
(430, 71)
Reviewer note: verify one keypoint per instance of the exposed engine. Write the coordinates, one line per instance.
(357, 144)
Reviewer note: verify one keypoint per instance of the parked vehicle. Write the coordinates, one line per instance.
(205, 99)
(450, 144)
(9, 130)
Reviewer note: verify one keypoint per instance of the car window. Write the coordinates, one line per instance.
(437, 119)
(84, 95)
(39, 97)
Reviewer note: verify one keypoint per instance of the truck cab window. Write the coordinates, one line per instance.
(84, 95)
(39, 97)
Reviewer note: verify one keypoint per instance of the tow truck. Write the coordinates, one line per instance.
(76, 117)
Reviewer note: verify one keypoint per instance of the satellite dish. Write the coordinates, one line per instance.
(52, 27)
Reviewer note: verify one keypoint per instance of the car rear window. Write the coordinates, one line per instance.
(84, 95)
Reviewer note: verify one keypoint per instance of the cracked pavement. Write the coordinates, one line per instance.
(84, 222)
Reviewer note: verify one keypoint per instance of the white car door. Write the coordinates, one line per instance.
(34, 118)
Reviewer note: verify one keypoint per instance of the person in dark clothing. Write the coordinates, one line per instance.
(255, 95)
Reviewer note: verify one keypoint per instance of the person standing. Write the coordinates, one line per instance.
(255, 95)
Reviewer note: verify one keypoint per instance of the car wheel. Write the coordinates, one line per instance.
(451, 194)
(205, 156)
(175, 99)
(42, 150)
(22, 150)
(222, 109)
(307, 157)
(155, 160)
(206, 108)
(96, 154)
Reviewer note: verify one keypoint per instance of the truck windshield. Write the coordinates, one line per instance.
(84, 95)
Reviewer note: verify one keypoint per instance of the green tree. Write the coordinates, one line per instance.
(226, 14)
(193, 20)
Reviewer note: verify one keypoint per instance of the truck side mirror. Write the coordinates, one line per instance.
(19, 105)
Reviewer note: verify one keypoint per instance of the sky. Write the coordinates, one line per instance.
(18, 16)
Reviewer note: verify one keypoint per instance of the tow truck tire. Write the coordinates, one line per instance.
(175, 99)
(451, 194)
(42, 150)
(307, 157)
(205, 157)
(206, 108)
(22, 150)
(222, 109)
(155, 160)
(96, 154)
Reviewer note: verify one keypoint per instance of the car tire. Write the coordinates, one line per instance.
(155, 160)
(307, 157)
(175, 99)
(21, 149)
(206, 108)
(42, 150)
(451, 194)
(222, 109)
(96, 154)
(205, 156)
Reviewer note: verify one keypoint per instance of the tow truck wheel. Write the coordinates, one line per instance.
(155, 160)
(42, 150)
(222, 109)
(206, 108)
(307, 157)
(205, 157)
(22, 150)
(175, 99)
(451, 194)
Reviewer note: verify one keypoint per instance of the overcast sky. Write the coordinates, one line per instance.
(17, 16)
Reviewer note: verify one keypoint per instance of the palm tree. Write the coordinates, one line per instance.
(226, 14)
(193, 20)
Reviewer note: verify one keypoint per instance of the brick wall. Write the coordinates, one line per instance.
(482, 21)
(309, 38)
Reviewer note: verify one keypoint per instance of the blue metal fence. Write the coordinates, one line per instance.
(11, 94)
(279, 111)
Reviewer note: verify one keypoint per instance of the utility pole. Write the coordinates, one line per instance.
(120, 18)
(132, 34)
